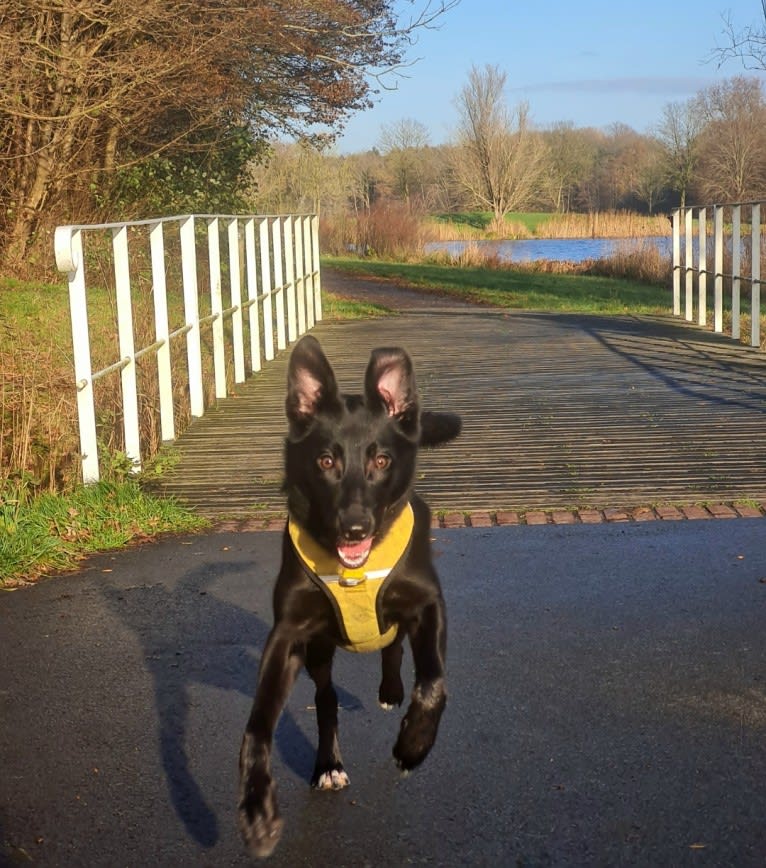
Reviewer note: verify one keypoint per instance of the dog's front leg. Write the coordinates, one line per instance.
(259, 820)
(391, 690)
(329, 773)
(417, 734)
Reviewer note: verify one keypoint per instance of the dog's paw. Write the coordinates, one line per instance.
(390, 693)
(260, 823)
(331, 779)
(417, 733)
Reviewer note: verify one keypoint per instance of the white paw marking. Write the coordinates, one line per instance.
(386, 706)
(334, 780)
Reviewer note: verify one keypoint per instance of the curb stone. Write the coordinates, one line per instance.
(503, 518)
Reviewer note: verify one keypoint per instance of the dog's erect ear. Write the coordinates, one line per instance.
(311, 385)
(389, 384)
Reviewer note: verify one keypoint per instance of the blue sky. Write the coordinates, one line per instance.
(594, 62)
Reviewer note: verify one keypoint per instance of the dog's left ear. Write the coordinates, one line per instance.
(389, 385)
(311, 386)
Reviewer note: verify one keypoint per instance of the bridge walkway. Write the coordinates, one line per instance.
(560, 411)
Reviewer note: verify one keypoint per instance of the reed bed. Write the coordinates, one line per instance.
(604, 224)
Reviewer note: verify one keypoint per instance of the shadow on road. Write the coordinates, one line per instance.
(190, 636)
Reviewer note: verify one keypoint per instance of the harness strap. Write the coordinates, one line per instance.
(356, 593)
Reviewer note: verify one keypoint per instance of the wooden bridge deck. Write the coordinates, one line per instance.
(558, 411)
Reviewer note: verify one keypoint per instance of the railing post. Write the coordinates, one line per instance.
(251, 272)
(68, 249)
(718, 267)
(160, 295)
(304, 258)
(279, 286)
(292, 325)
(300, 276)
(677, 214)
(315, 270)
(235, 285)
(191, 313)
(689, 263)
(736, 268)
(755, 274)
(267, 288)
(702, 277)
(216, 306)
(127, 346)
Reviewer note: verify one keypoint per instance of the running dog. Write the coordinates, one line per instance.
(356, 569)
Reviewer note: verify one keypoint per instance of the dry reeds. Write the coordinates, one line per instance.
(604, 224)
(389, 231)
(38, 442)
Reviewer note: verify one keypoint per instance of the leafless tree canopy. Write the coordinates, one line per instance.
(90, 86)
(745, 43)
(499, 155)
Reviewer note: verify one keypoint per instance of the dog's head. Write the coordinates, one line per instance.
(350, 459)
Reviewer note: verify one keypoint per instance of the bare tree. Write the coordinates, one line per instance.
(571, 158)
(91, 86)
(748, 43)
(679, 134)
(733, 146)
(403, 145)
(499, 156)
(649, 180)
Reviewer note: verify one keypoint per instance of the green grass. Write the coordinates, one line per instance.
(335, 307)
(53, 532)
(482, 219)
(518, 289)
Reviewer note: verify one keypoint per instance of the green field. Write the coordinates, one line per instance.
(520, 290)
(531, 220)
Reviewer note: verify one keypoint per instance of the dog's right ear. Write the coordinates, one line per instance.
(311, 386)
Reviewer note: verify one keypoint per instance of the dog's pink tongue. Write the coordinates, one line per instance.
(354, 554)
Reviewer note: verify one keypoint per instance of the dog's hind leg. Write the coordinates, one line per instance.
(428, 638)
(329, 773)
(391, 692)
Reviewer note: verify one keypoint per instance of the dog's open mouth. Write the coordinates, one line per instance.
(354, 554)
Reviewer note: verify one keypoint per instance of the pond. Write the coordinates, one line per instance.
(553, 249)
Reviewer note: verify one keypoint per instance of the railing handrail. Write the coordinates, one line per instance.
(282, 299)
(151, 221)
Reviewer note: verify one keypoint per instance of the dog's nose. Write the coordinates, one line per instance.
(355, 524)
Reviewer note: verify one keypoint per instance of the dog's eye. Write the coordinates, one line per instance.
(382, 462)
(326, 461)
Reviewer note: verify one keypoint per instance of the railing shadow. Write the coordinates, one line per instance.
(696, 365)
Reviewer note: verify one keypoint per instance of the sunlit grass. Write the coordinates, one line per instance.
(52, 532)
(519, 289)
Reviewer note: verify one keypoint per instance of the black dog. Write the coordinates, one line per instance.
(356, 569)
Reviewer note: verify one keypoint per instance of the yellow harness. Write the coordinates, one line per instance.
(355, 593)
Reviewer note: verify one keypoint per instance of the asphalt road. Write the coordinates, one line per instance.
(607, 707)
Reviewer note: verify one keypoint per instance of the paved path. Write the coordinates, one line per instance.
(560, 411)
(607, 707)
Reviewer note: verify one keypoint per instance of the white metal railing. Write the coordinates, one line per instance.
(736, 264)
(271, 273)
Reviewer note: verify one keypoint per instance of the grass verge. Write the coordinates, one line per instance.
(54, 532)
(518, 289)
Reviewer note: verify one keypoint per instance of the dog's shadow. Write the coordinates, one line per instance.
(192, 637)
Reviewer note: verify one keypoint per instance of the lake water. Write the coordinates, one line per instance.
(554, 249)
